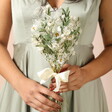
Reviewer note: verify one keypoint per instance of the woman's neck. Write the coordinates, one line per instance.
(55, 3)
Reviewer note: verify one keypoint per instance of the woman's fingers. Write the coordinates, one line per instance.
(34, 90)
(46, 91)
(74, 83)
(63, 86)
(73, 76)
(53, 85)
(68, 85)
(64, 90)
(76, 79)
(65, 67)
(46, 101)
(36, 107)
(76, 87)
(70, 89)
(43, 106)
(53, 80)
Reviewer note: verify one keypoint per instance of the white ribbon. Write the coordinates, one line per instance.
(47, 73)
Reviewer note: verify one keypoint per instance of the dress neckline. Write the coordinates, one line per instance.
(56, 8)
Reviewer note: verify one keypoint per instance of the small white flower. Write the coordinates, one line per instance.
(75, 18)
(60, 61)
(63, 16)
(58, 37)
(34, 28)
(59, 29)
(67, 32)
(70, 37)
(62, 35)
(55, 45)
(40, 48)
(49, 24)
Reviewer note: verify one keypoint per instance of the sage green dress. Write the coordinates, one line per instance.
(89, 98)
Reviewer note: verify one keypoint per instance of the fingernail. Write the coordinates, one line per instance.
(59, 107)
(51, 88)
(62, 100)
(50, 84)
(57, 110)
(57, 92)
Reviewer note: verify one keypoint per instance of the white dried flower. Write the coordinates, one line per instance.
(55, 35)
(59, 29)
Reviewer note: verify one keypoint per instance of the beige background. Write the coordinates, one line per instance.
(106, 79)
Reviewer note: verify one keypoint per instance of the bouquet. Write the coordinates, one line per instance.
(55, 34)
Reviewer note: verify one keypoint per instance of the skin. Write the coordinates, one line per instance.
(55, 3)
(99, 66)
(34, 93)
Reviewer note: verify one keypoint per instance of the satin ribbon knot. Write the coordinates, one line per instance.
(47, 73)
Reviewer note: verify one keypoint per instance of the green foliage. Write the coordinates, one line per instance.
(58, 39)
(49, 12)
(47, 50)
(66, 19)
(66, 45)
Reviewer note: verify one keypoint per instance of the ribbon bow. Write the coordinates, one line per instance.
(47, 73)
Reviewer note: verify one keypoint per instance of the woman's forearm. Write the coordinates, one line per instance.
(100, 66)
(7, 67)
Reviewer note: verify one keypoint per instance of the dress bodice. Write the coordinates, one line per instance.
(86, 10)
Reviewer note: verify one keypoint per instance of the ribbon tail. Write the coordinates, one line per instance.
(58, 83)
(45, 75)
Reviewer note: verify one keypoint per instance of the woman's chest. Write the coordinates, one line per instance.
(26, 8)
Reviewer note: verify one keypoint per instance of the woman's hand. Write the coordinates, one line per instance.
(34, 95)
(77, 79)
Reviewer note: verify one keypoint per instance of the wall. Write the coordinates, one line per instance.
(107, 79)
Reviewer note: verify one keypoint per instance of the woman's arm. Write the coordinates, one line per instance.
(30, 91)
(99, 66)
(103, 63)
(6, 65)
